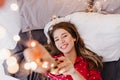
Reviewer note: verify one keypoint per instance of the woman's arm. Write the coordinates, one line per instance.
(66, 67)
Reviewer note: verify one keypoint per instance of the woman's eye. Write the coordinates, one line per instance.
(64, 36)
(56, 40)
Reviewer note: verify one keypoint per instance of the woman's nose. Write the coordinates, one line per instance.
(62, 40)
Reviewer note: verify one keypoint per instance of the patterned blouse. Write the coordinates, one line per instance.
(81, 65)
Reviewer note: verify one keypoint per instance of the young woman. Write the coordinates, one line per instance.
(74, 61)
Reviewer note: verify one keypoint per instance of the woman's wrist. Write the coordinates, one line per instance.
(77, 76)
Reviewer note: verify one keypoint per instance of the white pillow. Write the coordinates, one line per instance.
(100, 32)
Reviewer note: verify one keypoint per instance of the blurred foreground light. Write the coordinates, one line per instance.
(4, 54)
(27, 66)
(11, 61)
(2, 2)
(33, 65)
(30, 65)
(16, 38)
(13, 69)
(52, 65)
(2, 32)
(33, 44)
(45, 64)
(14, 7)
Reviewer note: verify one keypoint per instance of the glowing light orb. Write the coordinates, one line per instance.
(45, 64)
(4, 54)
(13, 69)
(2, 2)
(33, 65)
(11, 61)
(16, 38)
(30, 65)
(33, 44)
(52, 65)
(27, 66)
(14, 7)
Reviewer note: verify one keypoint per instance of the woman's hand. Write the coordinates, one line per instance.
(66, 67)
(38, 54)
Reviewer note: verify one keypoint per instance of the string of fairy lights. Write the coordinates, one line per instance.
(8, 56)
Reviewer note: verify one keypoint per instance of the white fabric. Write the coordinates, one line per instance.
(36, 13)
(7, 78)
(110, 6)
(100, 32)
(10, 23)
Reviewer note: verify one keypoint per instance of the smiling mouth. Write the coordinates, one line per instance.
(63, 46)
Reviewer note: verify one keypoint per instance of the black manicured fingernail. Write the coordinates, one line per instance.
(61, 61)
(55, 67)
(56, 59)
(48, 70)
(41, 60)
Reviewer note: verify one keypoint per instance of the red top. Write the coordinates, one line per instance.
(81, 65)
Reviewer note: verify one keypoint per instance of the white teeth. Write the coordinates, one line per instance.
(63, 47)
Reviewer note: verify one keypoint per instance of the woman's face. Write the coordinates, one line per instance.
(64, 41)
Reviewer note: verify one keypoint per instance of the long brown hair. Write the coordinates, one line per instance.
(80, 47)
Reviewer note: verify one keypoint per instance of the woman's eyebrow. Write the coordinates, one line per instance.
(61, 34)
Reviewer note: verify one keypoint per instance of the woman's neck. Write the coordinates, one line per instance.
(72, 55)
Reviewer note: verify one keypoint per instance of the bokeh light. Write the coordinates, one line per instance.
(33, 44)
(14, 7)
(13, 69)
(30, 65)
(11, 61)
(16, 38)
(27, 66)
(4, 54)
(52, 65)
(2, 2)
(45, 64)
(33, 65)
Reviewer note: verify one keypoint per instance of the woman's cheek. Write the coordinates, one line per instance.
(57, 45)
